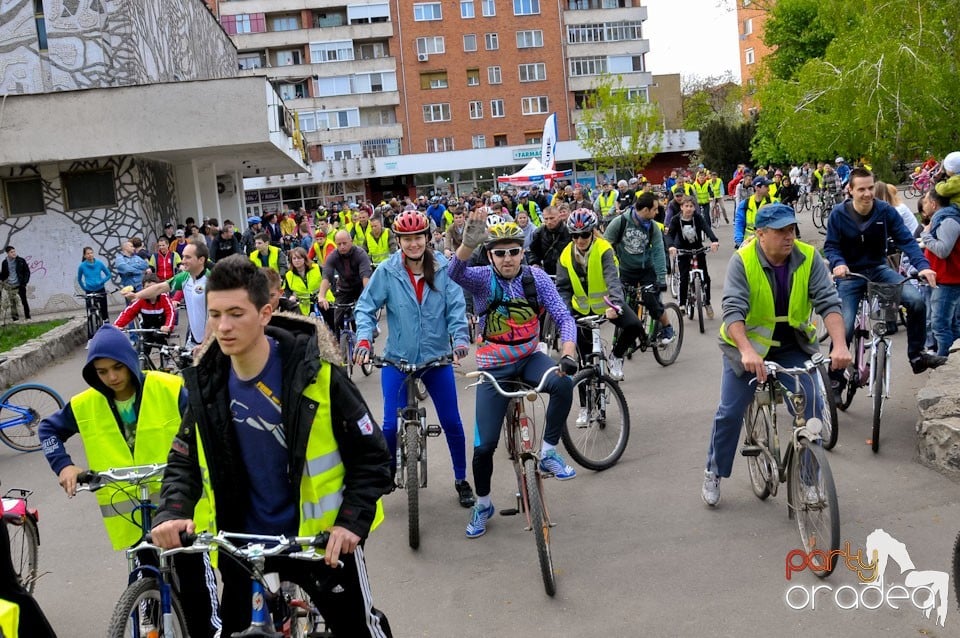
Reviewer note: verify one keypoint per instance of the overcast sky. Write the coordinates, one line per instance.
(692, 37)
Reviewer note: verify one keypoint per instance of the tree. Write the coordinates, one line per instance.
(797, 31)
(618, 130)
(714, 97)
(726, 144)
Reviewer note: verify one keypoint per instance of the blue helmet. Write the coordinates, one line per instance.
(253, 220)
(523, 194)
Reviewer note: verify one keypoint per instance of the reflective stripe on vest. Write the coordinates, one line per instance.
(273, 258)
(762, 318)
(590, 301)
(751, 216)
(301, 290)
(379, 249)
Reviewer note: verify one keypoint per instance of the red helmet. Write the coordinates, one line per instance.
(411, 222)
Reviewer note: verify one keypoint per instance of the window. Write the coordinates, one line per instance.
(285, 23)
(526, 7)
(479, 141)
(588, 66)
(496, 108)
(533, 137)
(41, 23)
(381, 147)
(493, 75)
(367, 13)
(529, 39)
(499, 140)
(466, 9)
(749, 56)
(638, 95)
(24, 196)
(470, 42)
(250, 61)
(244, 23)
(436, 112)
(372, 51)
(476, 110)
(491, 41)
(427, 11)
(308, 120)
(288, 58)
(534, 105)
(292, 91)
(488, 8)
(473, 77)
(434, 80)
(89, 189)
(430, 45)
(627, 30)
(440, 144)
(348, 118)
(334, 51)
(533, 72)
(748, 26)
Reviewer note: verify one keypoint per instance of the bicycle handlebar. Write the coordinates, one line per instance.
(257, 549)
(693, 251)
(409, 368)
(486, 377)
(809, 366)
(90, 481)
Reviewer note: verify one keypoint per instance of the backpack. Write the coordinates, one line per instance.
(529, 292)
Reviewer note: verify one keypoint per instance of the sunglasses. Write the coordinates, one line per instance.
(503, 252)
(583, 235)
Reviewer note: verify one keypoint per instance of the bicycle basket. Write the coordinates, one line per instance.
(884, 300)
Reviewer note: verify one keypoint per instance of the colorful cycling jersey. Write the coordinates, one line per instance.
(195, 299)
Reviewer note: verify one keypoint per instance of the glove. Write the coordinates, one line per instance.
(662, 287)
(361, 351)
(461, 352)
(736, 245)
(568, 365)
(474, 232)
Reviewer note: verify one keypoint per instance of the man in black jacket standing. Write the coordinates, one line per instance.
(15, 275)
(548, 241)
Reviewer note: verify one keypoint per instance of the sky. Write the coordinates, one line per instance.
(692, 37)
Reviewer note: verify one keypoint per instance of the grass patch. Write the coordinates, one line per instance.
(16, 334)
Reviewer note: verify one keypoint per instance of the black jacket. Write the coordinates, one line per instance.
(546, 246)
(23, 272)
(365, 456)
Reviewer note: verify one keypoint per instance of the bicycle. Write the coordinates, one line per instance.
(599, 442)
(695, 284)
(94, 320)
(142, 342)
(522, 444)
(716, 211)
(21, 521)
(22, 407)
(412, 433)
(348, 339)
(674, 277)
(811, 493)
(665, 352)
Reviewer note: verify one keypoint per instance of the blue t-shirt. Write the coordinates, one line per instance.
(257, 419)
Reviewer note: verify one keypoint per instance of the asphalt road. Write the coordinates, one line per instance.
(636, 551)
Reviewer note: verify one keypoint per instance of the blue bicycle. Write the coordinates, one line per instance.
(22, 407)
(347, 336)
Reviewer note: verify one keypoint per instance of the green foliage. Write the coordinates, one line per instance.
(797, 30)
(619, 132)
(725, 144)
(710, 98)
(17, 334)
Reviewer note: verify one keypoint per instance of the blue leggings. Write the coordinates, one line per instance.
(443, 391)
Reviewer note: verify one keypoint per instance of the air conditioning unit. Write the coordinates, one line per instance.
(225, 185)
(423, 57)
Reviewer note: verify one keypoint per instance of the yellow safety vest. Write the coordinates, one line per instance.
(773, 190)
(157, 423)
(716, 185)
(590, 301)
(702, 191)
(687, 189)
(303, 291)
(607, 204)
(9, 618)
(447, 219)
(273, 258)
(321, 485)
(762, 317)
(359, 235)
(818, 175)
(379, 249)
(751, 216)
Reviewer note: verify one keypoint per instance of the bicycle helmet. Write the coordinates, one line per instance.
(253, 220)
(411, 222)
(523, 194)
(504, 232)
(495, 198)
(581, 220)
(493, 220)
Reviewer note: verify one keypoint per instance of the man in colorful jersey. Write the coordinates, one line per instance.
(743, 219)
(127, 418)
(283, 443)
(510, 325)
(773, 283)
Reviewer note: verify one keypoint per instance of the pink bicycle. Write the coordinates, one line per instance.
(21, 521)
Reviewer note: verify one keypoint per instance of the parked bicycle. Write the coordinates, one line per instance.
(94, 320)
(22, 407)
(695, 284)
(523, 443)
(599, 435)
(21, 521)
(347, 337)
(811, 493)
(665, 351)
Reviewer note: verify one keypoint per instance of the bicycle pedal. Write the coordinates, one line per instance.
(751, 450)
(513, 511)
(434, 430)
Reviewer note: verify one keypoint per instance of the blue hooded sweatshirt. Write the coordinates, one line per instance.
(861, 242)
(92, 275)
(109, 343)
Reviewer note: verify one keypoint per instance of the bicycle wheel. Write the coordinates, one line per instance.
(698, 301)
(879, 383)
(345, 354)
(538, 521)
(828, 415)
(675, 281)
(956, 567)
(665, 354)
(421, 390)
(762, 468)
(816, 216)
(411, 453)
(91, 326)
(600, 442)
(301, 614)
(138, 612)
(24, 544)
(813, 499)
(23, 407)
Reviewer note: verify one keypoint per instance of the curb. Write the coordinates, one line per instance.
(25, 360)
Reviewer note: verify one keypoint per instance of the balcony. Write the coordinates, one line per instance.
(325, 69)
(588, 82)
(623, 47)
(355, 134)
(353, 100)
(604, 15)
(284, 39)
(237, 7)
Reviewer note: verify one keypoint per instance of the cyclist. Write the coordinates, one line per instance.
(380, 241)
(529, 206)
(346, 272)
(857, 234)
(268, 255)
(93, 275)
(512, 296)
(128, 417)
(638, 242)
(322, 246)
(702, 193)
(588, 278)
(773, 283)
(606, 205)
(548, 241)
(743, 219)
(155, 312)
(20, 615)
(284, 444)
(686, 232)
(302, 280)
(425, 314)
(716, 194)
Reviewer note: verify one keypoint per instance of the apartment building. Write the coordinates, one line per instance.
(751, 17)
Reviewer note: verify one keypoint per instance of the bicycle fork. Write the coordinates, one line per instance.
(423, 431)
(525, 452)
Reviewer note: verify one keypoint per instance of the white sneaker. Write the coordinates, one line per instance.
(710, 493)
(616, 368)
(583, 417)
(542, 347)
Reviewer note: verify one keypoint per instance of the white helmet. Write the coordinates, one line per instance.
(493, 220)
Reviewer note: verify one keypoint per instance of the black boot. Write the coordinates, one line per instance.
(465, 492)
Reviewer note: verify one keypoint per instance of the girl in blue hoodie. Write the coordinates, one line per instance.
(93, 275)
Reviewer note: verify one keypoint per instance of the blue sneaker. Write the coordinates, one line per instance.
(667, 335)
(479, 516)
(553, 463)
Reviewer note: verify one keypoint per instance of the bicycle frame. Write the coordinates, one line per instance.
(24, 416)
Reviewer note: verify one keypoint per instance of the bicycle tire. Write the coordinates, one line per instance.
(41, 402)
(345, 354)
(698, 300)
(143, 595)
(599, 444)
(757, 432)
(830, 430)
(818, 522)
(24, 551)
(91, 327)
(675, 281)
(421, 389)
(816, 216)
(667, 354)
(367, 368)
(956, 567)
(538, 521)
(879, 382)
(412, 482)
